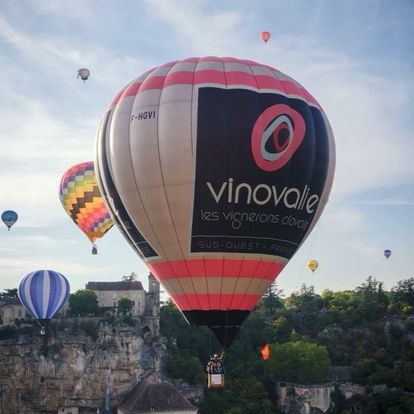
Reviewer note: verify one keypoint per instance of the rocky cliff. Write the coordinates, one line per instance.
(69, 366)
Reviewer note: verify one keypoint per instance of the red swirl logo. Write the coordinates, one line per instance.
(276, 135)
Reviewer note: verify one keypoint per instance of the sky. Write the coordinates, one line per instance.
(355, 57)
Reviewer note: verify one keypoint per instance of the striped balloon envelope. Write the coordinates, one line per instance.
(215, 170)
(43, 293)
(80, 196)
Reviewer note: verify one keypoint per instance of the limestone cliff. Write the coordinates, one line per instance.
(69, 367)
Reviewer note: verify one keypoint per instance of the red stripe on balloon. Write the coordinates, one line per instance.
(179, 78)
(209, 76)
(215, 302)
(261, 269)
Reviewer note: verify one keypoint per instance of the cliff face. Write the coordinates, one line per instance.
(40, 375)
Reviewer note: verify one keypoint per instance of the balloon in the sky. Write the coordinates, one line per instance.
(43, 293)
(387, 253)
(265, 36)
(84, 74)
(215, 170)
(313, 264)
(80, 196)
(9, 217)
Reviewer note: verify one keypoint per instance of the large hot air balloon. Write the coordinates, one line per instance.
(215, 170)
(265, 36)
(80, 196)
(43, 293)
(9, 217)
(313, 264)
(387, 253)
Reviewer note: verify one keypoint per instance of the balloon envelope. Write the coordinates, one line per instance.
(84, 74)
(387, 253)
(215, 170)
(9, 217)
(80, 197)
(313, 264)
(265, 36)
(43, 293)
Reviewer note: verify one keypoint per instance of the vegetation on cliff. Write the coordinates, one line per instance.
(365, 335)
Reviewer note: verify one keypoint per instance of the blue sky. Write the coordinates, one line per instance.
(355, 57)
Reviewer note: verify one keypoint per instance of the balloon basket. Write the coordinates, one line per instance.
(215, 380)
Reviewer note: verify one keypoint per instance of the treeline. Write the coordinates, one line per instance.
(364, 336)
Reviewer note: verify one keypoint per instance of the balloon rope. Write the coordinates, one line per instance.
(308, 253)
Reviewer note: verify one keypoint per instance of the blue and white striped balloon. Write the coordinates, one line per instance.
(43, 293)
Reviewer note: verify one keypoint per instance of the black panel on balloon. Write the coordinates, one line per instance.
(224, 324)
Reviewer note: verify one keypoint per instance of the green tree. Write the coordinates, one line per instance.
(306, 300)
(83, 302)
(402, 294)
(182, 365)
(372, 300)
(9, 293)
(125, 306)
(300, 361)
(130, 278)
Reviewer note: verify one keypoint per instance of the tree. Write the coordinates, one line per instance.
(300, 361)
(402, 294)
(305, 300)
(125, 306)
(372, 300)
(182, 365)
(83, 302)
(130, 278)
(9, 293)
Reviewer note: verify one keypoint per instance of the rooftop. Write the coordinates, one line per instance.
(121, 285)
(147, 396)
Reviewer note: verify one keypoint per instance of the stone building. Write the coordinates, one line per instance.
(10, 310)
(145, 303)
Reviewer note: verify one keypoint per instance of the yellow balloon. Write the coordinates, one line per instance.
(313, 264)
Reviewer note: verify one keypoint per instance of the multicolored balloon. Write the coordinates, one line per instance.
(215, 170)
(80, 196)
(387, 253)
(43, 293)
(265, 36)
(313, 265)
(9, 217)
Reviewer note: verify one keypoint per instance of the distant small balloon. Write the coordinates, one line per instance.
(265, 36)
(313, 265)
(387, 253)
(9, 217)
(84, 74)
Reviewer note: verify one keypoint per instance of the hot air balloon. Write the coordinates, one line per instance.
(84, 74)
(265, 36)
(265, 352)
(80, 196)
(215, 170)
(9, 217)
(313, 265)
(43, 293)
(387, 253)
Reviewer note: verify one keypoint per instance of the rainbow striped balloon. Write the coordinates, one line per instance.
(43, 293)
(82, 200)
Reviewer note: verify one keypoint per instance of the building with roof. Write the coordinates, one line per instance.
(10, 310)
(155, 398)
(145, 303)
